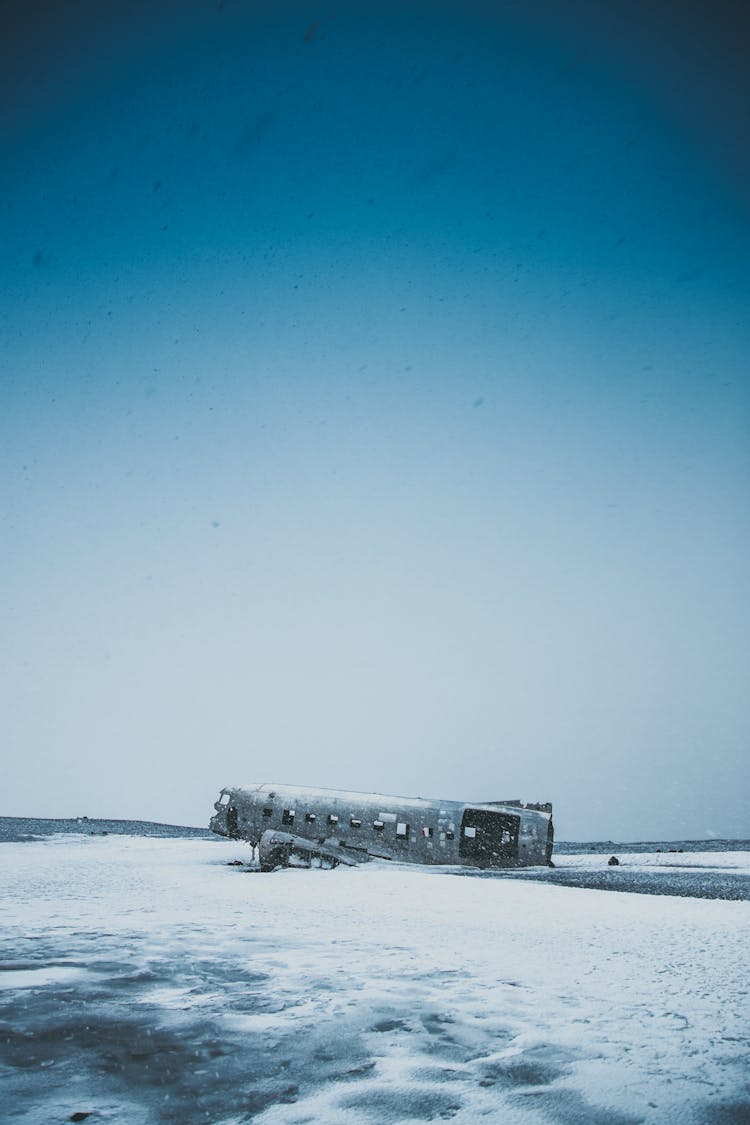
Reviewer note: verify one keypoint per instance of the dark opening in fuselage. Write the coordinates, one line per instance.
(489, 839)
(233, 829)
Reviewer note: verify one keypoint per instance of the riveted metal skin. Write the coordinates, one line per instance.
(326, 823)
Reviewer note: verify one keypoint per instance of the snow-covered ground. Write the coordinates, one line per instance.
(659, 860)
(146, 980)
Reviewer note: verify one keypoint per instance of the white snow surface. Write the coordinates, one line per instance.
(146, 980)
(659, 861)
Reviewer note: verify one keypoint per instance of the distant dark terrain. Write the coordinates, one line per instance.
(15, 829)
(610, 847)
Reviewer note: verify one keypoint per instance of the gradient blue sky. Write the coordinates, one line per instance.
(374, 406)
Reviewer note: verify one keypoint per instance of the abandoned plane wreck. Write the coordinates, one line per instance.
(301, 827)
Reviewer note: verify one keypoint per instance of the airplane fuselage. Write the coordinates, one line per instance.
(372, 825)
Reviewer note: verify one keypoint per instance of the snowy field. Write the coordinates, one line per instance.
(147, 980)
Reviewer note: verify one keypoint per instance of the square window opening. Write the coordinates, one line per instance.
(288, 816)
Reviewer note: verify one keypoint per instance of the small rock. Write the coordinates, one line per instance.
(613, 861)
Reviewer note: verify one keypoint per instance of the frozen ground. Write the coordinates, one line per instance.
(146, 980)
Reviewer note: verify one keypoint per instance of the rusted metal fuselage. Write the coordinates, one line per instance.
(296, 826)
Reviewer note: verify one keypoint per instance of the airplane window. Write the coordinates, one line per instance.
(224, 799)
(288, 816)
(402, 830)
(470, 832)
(427, 832)
(378, 825)
(267, 811)
(332, 818)
(355, 822)
(309, 818)
(450, 835)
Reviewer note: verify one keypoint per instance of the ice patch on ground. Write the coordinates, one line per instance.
(38, 977)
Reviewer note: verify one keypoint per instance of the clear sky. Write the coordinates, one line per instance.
(374, 406)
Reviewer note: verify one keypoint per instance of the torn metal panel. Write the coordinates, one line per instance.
(280, 849)
(319, 827)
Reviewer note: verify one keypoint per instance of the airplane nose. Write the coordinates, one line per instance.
(218, 823)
